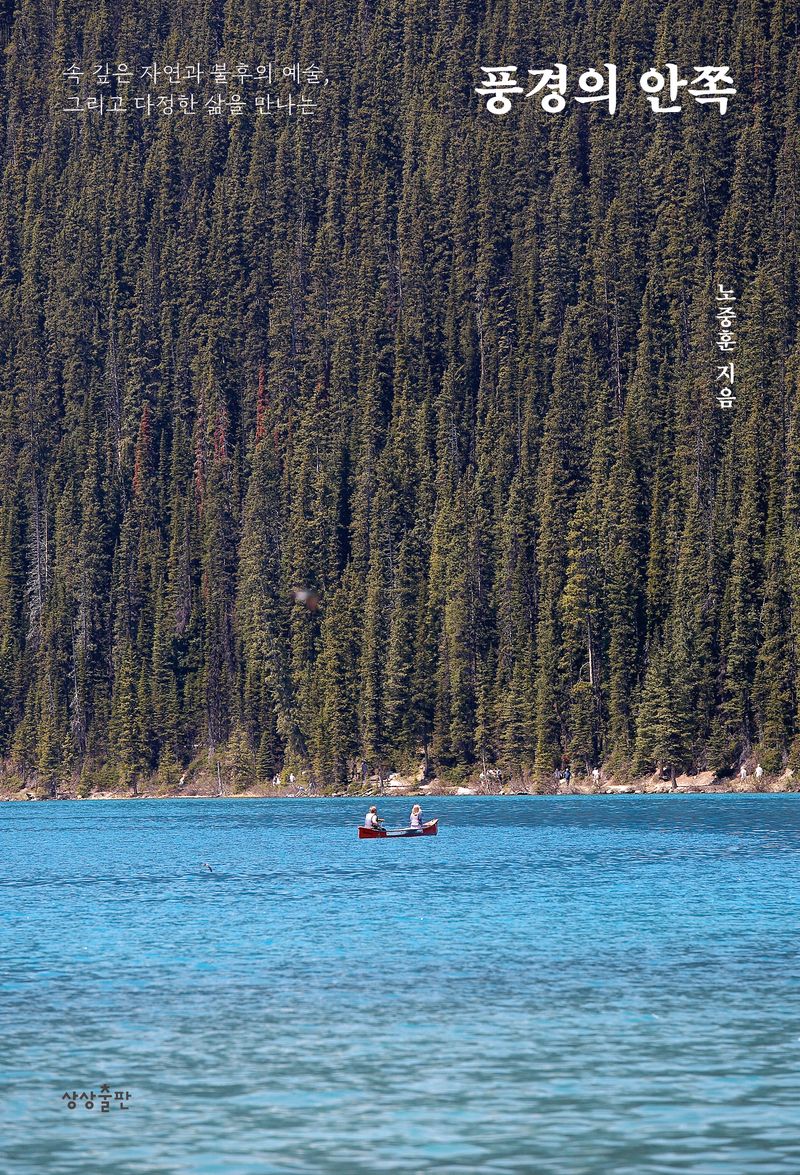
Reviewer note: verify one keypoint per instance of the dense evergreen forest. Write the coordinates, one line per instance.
(390, 433)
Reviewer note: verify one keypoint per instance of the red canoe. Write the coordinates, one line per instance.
(429, 828)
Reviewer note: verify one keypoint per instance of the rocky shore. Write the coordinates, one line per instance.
(207, 785)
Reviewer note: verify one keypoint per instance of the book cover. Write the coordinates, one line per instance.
(400, 414)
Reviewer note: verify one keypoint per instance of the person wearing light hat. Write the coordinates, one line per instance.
(372, 819)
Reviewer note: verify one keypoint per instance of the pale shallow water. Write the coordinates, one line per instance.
(553, 984)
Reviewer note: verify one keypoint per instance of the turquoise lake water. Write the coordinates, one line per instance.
(578, 984)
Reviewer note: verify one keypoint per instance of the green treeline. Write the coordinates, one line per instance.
(450, 373)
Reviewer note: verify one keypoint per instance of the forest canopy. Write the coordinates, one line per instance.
(389, 432)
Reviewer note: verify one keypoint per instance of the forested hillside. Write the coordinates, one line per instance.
(391, 429)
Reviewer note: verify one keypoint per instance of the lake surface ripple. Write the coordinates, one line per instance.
(577, 984)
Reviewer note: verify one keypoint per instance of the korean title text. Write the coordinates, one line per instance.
(662, 88)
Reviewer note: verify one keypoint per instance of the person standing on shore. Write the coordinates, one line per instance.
(743, 772)
(595, 776)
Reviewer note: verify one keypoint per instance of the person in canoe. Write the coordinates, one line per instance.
(416, 817)
(372, 819)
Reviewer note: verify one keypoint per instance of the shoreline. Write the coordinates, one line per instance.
(779, 786)
(207, 784)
